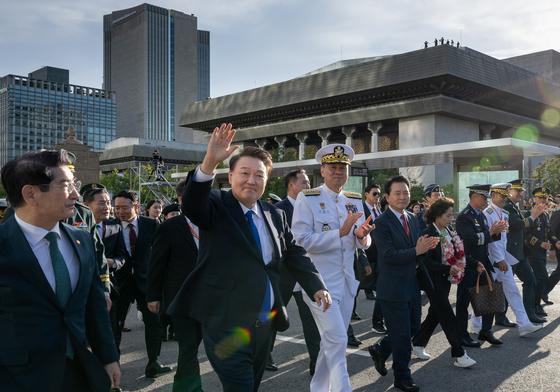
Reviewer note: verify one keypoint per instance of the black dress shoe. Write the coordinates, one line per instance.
(155, 369)
(539, 311)
(490, 338)
(378, 360)
(356, 316)
(406, 385)
(504, 322)
(537, 320)
(548, 302)
(116, 390)
(370, 295)
(353, 341)
(469, 342)
(379, 328)
(271, 366)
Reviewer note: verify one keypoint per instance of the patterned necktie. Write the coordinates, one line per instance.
(405, 225)
(63, 285)
(265, 308)
(132, 238)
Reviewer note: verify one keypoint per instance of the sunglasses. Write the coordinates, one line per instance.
(375, 193)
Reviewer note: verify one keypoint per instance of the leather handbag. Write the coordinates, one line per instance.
(488, 299)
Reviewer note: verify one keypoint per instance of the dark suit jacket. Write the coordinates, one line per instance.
(396, 257)
(33, 326)
(288, 208)
(435, 268)
(141, 258)
(516, 232)
(227, 286)
(173, 258)
(115, 249)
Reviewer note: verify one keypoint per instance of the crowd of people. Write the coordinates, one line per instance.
(74, 258)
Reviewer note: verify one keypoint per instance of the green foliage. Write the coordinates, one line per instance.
(380, 177)
(275, 185)
(547, 174)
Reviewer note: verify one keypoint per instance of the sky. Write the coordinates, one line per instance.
(259, 42)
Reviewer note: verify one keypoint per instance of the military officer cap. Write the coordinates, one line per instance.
(502, 188)
(170, 208)
(480, 189)
(431, 188)
(517, 184)
(88, 187)
(274, 197)
(335, 153)
(71, 160)
(541, 191)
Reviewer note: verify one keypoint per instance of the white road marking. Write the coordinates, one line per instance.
(291, 339)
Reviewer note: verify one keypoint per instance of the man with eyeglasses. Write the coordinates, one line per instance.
(51, 296)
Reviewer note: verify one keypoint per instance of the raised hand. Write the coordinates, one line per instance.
(365, 228)
(537, 210)
(219, 148)
(426, 243)
(349, 223)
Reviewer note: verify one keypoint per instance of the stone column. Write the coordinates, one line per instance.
(301, 148)
(280, 140)
(324, 134)
(261, 143)
(348, 131)
(486, 131)
(374, 128)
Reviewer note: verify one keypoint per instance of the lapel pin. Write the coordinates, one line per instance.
(78, 242)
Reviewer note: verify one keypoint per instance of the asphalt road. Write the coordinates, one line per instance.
(520, 364)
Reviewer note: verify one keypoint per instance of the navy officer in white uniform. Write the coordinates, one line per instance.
(329, 224)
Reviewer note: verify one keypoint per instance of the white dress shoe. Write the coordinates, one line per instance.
(420, 353)
(464, 362)
(526, 330)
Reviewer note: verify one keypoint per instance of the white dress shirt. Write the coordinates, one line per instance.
(292, 200)
(126, 232)
(372, 209)
(35, 237)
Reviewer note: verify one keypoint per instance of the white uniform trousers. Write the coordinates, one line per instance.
(331, 372)
(513, 297)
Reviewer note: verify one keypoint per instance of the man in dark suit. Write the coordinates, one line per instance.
(138, 233)
(372, 194)
(398, 241)
(174, 254)
(52, 304)
(295, 182)
(234, 290)
(109, 231)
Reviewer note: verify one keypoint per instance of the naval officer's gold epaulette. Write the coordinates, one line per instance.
(353, 195)
(312, 192)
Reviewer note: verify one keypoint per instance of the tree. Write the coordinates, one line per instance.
(547, 174)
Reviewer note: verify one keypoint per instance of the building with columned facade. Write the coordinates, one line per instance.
(442, 114)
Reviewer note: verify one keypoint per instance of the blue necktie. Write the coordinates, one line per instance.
(63, 285)
(265, 308)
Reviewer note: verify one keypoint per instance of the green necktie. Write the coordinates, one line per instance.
(63, 285)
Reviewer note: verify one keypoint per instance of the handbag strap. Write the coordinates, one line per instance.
(487, 279)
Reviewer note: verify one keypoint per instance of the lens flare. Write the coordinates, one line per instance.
(527, 132)
(550, 118)
(239, 337)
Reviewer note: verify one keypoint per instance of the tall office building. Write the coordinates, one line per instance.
(157, 62)
(36, 111)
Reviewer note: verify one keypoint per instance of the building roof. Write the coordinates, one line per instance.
(122, 152)
(460, 73)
